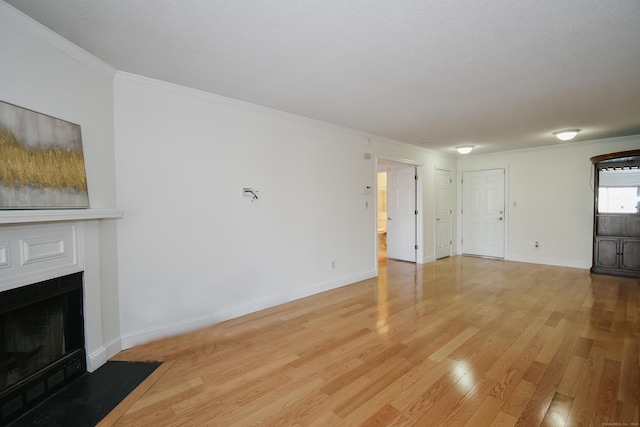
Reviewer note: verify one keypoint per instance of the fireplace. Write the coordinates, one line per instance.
(41, 342)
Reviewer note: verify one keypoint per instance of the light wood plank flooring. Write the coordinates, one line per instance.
(459, 342)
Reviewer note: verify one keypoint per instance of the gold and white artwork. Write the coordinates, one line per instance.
(41, 161)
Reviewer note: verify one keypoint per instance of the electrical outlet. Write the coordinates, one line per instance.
(332, 264)
(537, 245)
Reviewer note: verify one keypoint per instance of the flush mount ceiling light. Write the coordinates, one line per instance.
(566, 134)
(464, 149)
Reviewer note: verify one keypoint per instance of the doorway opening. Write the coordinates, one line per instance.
(398, 224)
(382, 217)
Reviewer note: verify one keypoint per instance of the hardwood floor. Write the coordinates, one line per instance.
(459, 342)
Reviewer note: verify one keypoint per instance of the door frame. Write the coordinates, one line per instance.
(507, 206)
(379, 162)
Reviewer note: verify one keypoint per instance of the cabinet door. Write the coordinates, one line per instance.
(630, 254)
(606, 252)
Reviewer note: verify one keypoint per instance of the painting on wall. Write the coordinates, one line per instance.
(41, 161)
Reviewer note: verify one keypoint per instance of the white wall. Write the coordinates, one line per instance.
(549, 199)
(43, 72)
(193, 250)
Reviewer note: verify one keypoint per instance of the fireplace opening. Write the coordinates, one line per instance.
(41, 342)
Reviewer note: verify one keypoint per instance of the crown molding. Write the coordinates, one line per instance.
(32, 27)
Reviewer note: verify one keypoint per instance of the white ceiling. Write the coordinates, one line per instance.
(498, 74)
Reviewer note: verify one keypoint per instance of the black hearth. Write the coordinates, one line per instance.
(41, 342)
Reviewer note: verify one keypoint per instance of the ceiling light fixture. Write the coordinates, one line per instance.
(566, 134)
(465, 149)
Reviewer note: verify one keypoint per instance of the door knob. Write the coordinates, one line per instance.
(389, 218)
(500, 219)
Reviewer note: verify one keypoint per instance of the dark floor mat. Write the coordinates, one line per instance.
(90, 398)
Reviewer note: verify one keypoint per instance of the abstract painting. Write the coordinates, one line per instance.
(41, 161)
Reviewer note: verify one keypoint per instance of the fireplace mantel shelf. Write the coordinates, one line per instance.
(49, 215)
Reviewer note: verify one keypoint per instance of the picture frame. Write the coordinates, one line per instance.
(41, 161)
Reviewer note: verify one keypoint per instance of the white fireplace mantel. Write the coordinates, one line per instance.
(50, 215)
(37, 245)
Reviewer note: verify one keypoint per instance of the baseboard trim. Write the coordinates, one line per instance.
(545, 261)
(113, 347)
(101, 355)
(428, 259)
(554, 262)
(96, 359)
(134, 338)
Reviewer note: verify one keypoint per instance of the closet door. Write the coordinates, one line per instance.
(443, 213)
(401, 211)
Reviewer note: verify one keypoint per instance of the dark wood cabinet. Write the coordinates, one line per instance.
(606, 253)
(617, 255)
(616, 228)
(630, 255)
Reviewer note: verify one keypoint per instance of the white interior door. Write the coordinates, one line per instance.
(401, 214)
(483, 213)
(443, 213)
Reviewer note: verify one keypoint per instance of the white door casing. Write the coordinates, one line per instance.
(401, 214)
(443, 213)
(483, 213)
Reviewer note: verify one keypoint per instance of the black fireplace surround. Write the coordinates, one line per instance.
(41, 342)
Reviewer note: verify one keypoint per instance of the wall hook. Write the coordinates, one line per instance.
(250, 192)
